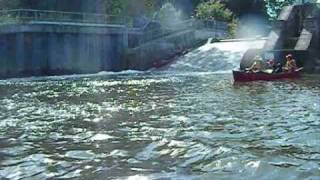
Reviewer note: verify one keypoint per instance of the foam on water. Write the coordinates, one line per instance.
(73, 76)
(220, 57)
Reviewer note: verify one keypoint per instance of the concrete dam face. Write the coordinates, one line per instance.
(49, 49)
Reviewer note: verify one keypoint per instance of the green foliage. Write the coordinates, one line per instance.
(129, 7)
(204, 9)
(168, 15)
(213, 10)
(115, 7)
(8, 4)
(232, 27)
(243, 7)
(274, 7)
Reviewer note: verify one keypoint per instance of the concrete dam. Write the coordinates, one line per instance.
(38, 42)
(32, 44)
(37, 49)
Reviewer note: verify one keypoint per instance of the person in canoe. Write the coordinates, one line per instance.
(270, 63)
(274, 67)
(291, 64)
(277, 68)
(256, 66)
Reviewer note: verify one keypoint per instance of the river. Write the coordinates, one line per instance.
(189, 121)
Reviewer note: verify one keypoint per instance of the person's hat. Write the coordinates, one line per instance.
(289, 56)
(258, 58)
(270, 61)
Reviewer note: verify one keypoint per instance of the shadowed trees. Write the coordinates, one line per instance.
(134, 7)
(274, 7)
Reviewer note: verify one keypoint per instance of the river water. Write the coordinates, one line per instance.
(189, 121)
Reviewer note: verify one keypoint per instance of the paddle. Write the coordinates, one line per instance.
(299, 69)
(268, 71)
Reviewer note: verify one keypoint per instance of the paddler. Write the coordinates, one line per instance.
(257, 65)
(291, 64)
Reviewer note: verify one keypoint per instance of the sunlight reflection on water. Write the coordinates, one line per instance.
(158, 126)
(188, 122)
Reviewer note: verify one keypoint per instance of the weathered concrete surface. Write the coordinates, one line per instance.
(304, 40)
(204, 34)
(50, 49)
(144, 56)
(274, 40)
(60, 27)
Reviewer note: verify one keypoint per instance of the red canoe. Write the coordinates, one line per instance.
(240, 76)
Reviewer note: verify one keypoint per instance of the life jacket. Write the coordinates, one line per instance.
(256, 66)
(291, 64)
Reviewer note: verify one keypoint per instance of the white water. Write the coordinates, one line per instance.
(218, 57)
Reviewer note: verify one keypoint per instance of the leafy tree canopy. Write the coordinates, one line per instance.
(266, 8)
(274, 7)
(213, 10)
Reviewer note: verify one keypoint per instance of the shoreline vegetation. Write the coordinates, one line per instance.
(167, 12)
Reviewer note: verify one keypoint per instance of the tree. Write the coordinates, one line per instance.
(243, 7)
(128, 7)
(169, 16)
(213, 10)
(11, 4)
(274, 7)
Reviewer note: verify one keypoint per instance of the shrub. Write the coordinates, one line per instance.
(213, 10)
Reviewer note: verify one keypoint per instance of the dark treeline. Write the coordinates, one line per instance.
(58, 5)
(138, 7)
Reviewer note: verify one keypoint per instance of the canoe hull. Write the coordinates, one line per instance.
(247, 77)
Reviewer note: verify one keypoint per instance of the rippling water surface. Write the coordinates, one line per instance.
(159, 125)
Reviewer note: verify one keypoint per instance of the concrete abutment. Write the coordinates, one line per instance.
(50, 49)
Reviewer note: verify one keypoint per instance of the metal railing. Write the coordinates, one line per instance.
(30, 15)
(141, 35)
(212, 25)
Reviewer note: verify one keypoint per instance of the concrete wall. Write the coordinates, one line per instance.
(46, 49)
(145, 56)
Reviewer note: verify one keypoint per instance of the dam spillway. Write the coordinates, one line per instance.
(223, 56)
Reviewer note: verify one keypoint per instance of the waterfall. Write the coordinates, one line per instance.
(215, 57)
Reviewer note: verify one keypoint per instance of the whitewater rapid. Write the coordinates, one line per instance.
(218, 57)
